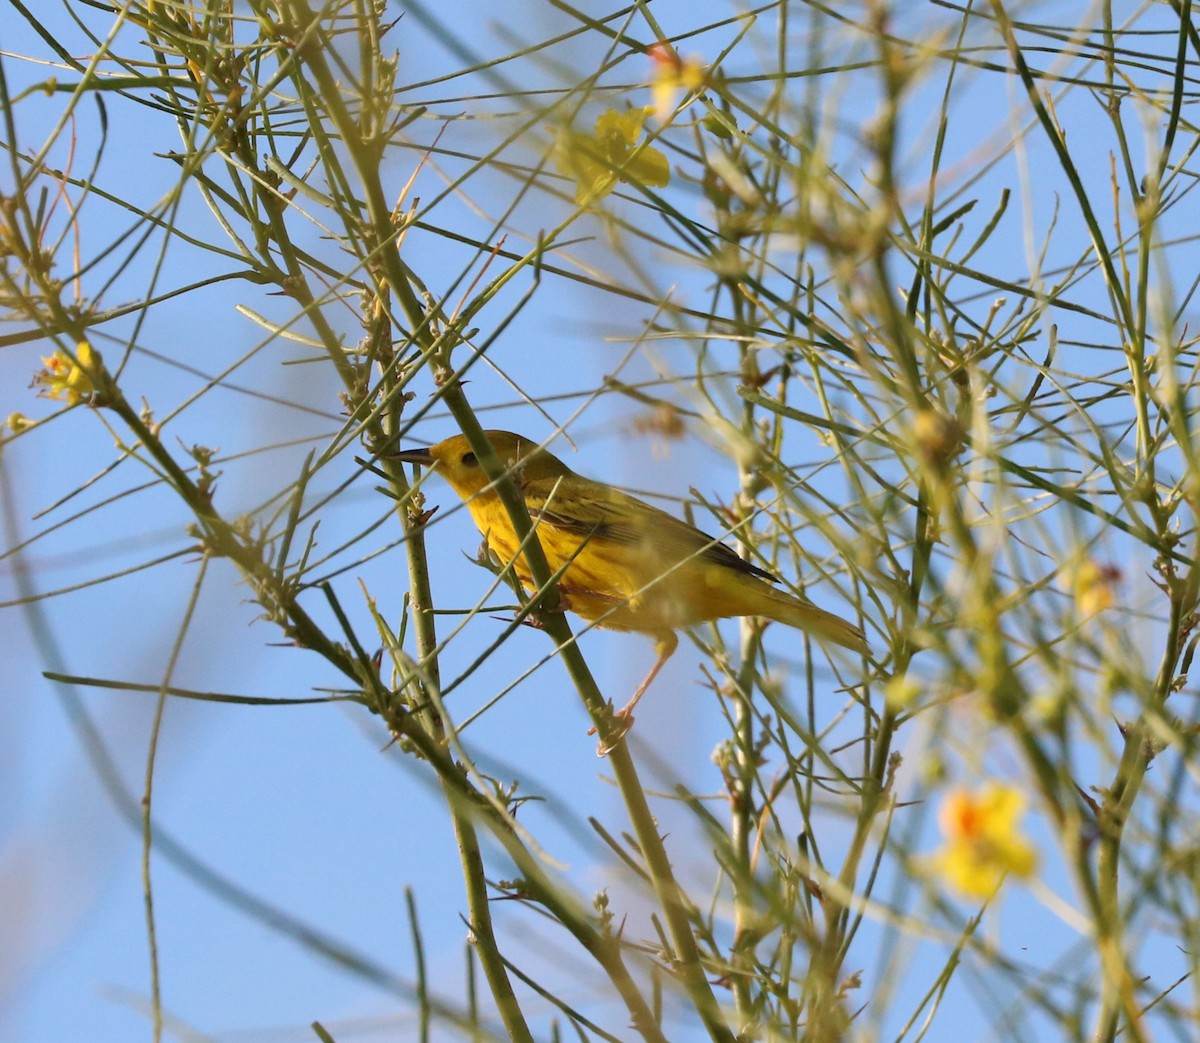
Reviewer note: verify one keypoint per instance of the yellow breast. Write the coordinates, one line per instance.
(622, 586)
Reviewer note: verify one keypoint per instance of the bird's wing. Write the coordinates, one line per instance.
(590, 510)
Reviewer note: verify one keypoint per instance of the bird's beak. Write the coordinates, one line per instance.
(415, 456)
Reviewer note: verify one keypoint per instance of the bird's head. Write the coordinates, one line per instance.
(457, 462)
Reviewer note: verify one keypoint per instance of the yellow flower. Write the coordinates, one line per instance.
(597, 161)
(938, 437)
(901, 692)
(671, 75)
(65, 379)
(983, 843)
(1095, 586)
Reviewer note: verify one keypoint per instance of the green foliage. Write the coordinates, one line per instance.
(902, 270)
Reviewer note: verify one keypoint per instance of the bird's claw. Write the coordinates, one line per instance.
(617, 728)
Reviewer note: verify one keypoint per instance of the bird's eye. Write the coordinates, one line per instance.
(468, 460)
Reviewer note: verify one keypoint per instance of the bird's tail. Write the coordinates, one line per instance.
(804, 615)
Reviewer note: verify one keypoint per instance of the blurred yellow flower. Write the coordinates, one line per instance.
(938, 437)
(597, 161)
(671, 75)
(1095, 586)
(901, 692)
(983, 842)
(65, 379)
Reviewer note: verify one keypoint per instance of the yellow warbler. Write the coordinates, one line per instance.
(628, 566)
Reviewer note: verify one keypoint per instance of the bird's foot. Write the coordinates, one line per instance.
(616, 727)
(532, 620)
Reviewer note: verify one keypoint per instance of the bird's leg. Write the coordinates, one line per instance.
(536, 617)
(665, 647)
(622, 719)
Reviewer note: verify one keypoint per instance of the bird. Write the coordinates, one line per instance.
(621, 563)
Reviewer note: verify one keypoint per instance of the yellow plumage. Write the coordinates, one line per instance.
(631, 565)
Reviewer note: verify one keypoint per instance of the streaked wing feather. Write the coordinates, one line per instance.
(613, 515)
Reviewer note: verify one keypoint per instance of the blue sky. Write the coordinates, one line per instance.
(308, 807)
